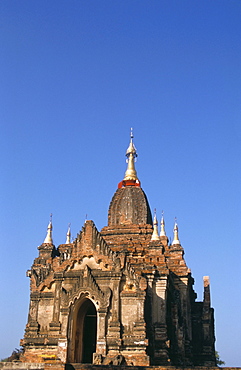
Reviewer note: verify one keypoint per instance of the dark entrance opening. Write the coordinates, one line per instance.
(86, 328)
(89, 337)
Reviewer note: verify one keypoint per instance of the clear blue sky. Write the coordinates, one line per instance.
(74, 77)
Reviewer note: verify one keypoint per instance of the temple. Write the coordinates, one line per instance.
(120, 296)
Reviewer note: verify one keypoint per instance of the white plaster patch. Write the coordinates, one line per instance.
(140, 342)
(89, 261)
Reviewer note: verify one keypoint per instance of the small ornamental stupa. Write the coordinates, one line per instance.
(120, 296)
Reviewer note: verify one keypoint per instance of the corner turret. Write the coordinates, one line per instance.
(155, 235)
(176, 238)
(162, 232)
(48, 239)
(68, 236)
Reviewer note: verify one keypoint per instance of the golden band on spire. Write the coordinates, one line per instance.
(131, 154)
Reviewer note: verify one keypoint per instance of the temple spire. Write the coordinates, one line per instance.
(68, 236)
(175, 231)
(155, 235)
(131, 155)
(48, 238)
(163, 232)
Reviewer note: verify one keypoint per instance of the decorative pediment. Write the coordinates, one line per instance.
(91, 289)
(93, 251)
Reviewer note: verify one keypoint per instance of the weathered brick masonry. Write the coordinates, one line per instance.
(121, 296)
(59, 366)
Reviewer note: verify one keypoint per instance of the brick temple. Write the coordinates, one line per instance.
(120, 296)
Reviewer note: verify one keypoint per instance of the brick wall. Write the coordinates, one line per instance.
(60, 366)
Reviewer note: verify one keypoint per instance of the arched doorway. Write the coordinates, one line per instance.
(85, 332)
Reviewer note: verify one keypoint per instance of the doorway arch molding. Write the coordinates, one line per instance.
(101, 301)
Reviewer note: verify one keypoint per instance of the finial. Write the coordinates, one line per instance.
(206, 294)
(68, 235)
(155, 235)
(206, 281)
(131, 155)
(175, 231)
(163, 232)
(48, 238)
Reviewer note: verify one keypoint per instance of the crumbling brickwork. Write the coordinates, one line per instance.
(122, 296)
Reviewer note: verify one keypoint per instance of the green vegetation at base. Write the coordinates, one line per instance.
(14, 356)
(219, 361)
